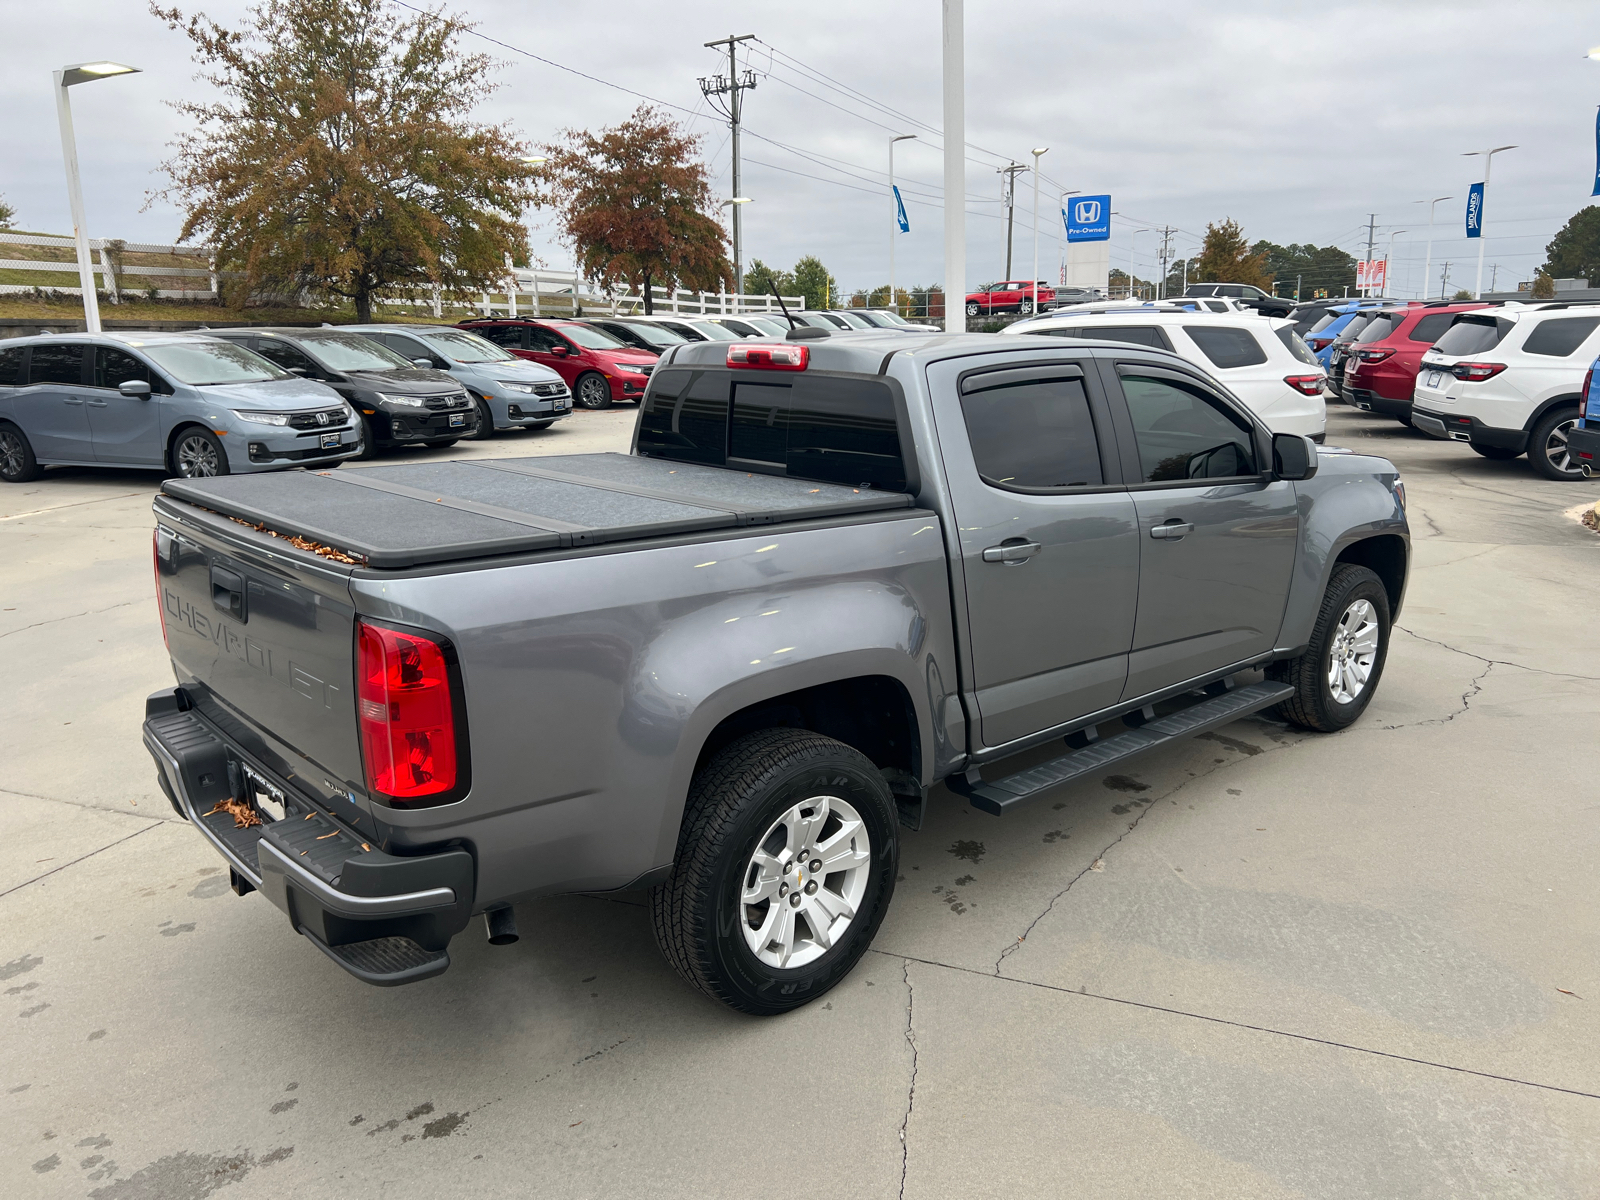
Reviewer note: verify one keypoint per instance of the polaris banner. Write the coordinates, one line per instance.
(900, 211)
(1088, 219)
(1475, 211)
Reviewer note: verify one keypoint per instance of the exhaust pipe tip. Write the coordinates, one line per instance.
(1588, 471)
(502, 923)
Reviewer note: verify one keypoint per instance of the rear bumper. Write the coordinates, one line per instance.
(1583, 444)
(385, 919)
(1458, 428)
(1368, 400)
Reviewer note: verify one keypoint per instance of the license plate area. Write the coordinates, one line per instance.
(262, 795)
(330, 441)
(457, 420)
(1434, 378)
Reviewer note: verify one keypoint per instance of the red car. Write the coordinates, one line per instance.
(597, 367)
(1015, 295)
(1380, 370)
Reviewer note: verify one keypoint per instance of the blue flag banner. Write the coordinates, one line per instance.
(1596, 191)
(1088, 219)
(900, 211)
(1475, 211)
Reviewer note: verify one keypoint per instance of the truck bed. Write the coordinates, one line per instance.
(415, 514)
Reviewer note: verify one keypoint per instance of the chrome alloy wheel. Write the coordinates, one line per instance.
(1353, 651)
(196, 457)
(804, 883)
(12, 457)
(1556, 449)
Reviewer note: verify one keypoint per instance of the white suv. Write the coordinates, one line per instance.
(1507, 380)
(1261, 360)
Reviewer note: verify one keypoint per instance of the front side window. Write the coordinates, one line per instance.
(342, 352)
(1037, 433)
(1560, 336)
(285, 356)
(211, 361)
(1227, 346)
(113, 368)
(1184, 434)
(58, 363)
(501, 335)
(543, 340)
(11, 367)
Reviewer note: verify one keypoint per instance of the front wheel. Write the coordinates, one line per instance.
(1547, 446)
(786, 862)
(485, 429)
(1335, 678)
(17, 463)
(1496, 453)
(593, 391)
(198, 454)
(1025, 307)
(369, 442)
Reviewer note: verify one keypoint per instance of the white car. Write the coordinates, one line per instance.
(1261, 360)
(1507, 381)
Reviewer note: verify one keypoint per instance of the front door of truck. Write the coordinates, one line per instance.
(1047, 538)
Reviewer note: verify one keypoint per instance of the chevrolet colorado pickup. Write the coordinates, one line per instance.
(729, 665)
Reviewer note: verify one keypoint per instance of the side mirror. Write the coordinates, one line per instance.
(1294, 456)
(135, 387)
(300, 371)
(560, 351)
(422, 362)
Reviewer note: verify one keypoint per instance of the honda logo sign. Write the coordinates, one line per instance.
(1086, 212)
(1088, 219)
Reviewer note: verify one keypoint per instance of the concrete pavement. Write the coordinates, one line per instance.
(1262, 964)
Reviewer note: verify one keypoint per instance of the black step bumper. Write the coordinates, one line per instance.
(1457, 428)
(1583, 443)
(384, 918)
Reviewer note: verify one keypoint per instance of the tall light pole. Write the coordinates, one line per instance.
(894, 216)
(1488, 161)
(1061, 243)
(1033, 280)
(955, 168)
(1388, 260)
(1133, 240)
(1427, 266)
(65, 78)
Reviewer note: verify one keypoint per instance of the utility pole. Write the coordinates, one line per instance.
(731, 87)
(1009, 195)
(955, 166)
(1494, 273)
(1371, 226)
(1166, 257)
(1444, 280)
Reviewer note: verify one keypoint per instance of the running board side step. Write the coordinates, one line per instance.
(998, 796)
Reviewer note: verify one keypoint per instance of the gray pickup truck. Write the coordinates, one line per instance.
(729, 666)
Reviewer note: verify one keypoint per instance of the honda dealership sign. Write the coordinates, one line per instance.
(1088, 218)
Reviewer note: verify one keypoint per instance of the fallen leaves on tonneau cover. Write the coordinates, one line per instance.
(303, 543)
(243, 815)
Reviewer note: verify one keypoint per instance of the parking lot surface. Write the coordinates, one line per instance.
(1263, 964)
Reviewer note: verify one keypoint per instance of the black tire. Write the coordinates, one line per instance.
(1405, 419)
(592, 391)
(1025, 307)
(1313, 706)
(698, 914)
(485, 429)
(17, 463)
(1547, 446)
(369, 443)
(1495, 453)
(197, 453)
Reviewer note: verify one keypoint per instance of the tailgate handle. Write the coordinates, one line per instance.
(227, 593)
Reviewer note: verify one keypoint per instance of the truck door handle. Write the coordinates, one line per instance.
(97, 404)
(1172, 530)
(1012, 554)
(227, 593)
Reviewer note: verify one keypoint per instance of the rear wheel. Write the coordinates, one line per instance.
(786, 862)
(972, 310)
(592, 391)
(1547, 446)
(485, 429)
(1336, 676)
(1496, 453)
(17, 463)
(1405, 419)
(1025, 307)
(369, 443)
(198, 454)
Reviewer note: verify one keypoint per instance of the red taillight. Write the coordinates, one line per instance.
(1306, 385)
(1583, 396)
(1474, 372)
(161, 606)
(408, 720)
(1374, 355)
(1318, 343)
(769, 356)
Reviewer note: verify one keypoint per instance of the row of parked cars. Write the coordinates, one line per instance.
(219, 401)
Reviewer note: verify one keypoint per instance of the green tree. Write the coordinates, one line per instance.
(1544, 287)
(634, 199)
(1463, 294)
(7, 214)
(342, 159)
(762, 280)
(1315, 267)
(812, 281)
(1225, 257)
(1574, 253)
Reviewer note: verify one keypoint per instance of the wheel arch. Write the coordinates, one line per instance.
(1386, 555)
(1544, 408)
(176, 432)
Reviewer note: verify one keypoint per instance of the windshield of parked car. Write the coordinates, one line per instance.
(1380, 327)
(855, 320)
(345, 352)
(891, 317)
(466, 347)
(591, 338)
(711, 331)
(656, 335)
(774, 325)
(201, 363)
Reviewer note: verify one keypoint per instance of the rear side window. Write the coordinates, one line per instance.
(1357, 323)
(1035, 433)
(1560, 336)
(11, 367)
(1430, 328)
(1227, 346)
(1296, 346)
(1320, 324)
(1472, 335)
(56, 364)
(1183, 433)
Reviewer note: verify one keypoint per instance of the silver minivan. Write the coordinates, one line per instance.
(185, 403)
(511, 392)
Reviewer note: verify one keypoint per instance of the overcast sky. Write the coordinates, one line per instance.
(1297, 120)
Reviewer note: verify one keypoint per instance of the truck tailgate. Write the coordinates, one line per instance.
(262, 638)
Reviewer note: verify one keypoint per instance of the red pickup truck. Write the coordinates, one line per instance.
(1015, 295)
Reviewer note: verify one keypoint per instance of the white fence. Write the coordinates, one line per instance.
(109, 277)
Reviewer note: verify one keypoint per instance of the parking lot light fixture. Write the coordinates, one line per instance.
(1033, 280)
(1594, 53)
(894, 215)
(1427, 266)
(1133, 240)
(1061, 244)
(64, 78)
(1388, 260)
(1488, 161)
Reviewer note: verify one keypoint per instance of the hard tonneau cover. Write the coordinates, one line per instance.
(415, 514)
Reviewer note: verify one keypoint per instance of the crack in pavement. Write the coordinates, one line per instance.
(1473, 688)
(154, 824)
(911, 1092)
(1099, 858)
(93, 612)
(35, 512)
(1245, 1025)
(155, 816)
(1498, 662)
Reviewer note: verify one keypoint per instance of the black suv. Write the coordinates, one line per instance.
(400, 404)
(1244, 293)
